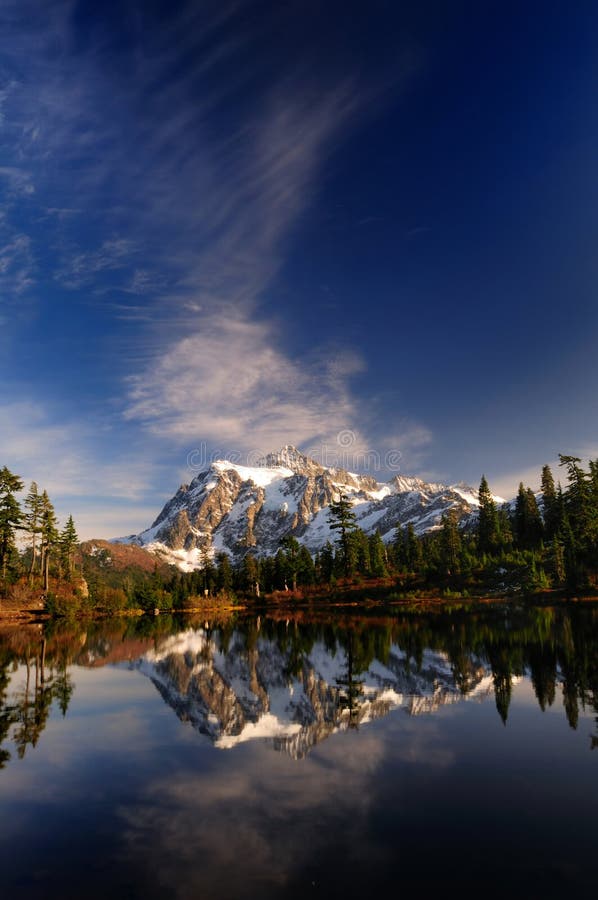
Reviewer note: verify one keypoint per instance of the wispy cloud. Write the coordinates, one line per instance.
(17, 181)
(16, 266)
(81, 269)
(173, 193)
(229, 383)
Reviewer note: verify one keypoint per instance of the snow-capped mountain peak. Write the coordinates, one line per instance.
(236, 508)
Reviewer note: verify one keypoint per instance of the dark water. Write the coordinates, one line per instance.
(261, 758)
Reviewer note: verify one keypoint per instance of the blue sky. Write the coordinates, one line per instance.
(229, 226)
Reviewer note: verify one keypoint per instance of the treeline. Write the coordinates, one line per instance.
(533, 544)
(49, 549)
(539, 542)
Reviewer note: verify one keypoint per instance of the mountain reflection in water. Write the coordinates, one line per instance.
(429, 754)
(295, 683)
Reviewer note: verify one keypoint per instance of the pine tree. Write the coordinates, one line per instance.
(291, 546)
(549, 503)
(505, 533)
(10, 514)
(250, 574)
(573, 575)
(377, 554)
(359, 552)
(326, 562)
(68, 544)
(341, 518)
(519, 516)
(450, 543)
(534, 524)
(581, 535)
(282, 572)
(33, 509)
(413, 550)
(557, 561)
(398, 548)
(49, 535)
(306, 571)
(527, 519)
(583, 517)
(224, 578)
(488, 532)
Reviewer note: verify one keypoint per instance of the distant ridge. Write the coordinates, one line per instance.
(236, 509)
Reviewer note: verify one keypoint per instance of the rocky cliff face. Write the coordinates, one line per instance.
(237, 508)
(265, 691)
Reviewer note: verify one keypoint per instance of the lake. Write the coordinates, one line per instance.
(299, 755)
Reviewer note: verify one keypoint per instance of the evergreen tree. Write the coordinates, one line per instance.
(359, 552)
(49, 535)
(534, 524)
(291, 546)
(488, 530)
(581, 535)
(398, 548)
(68, 544)
(10, 514)
(306, 571)
(557, 560)
(573, 573)
(450, 543)
(519, 516)
(377, 555)
(527, 519)
(33, 510)
(583, 516)
(250, 574)
(413, 550)
(282, 572)
(505, 533)
(593, 478)
(326, 563)
(341, 518)
(224, 578)
(549, 503)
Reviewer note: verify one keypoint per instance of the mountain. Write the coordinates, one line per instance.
(233, 508)
(262, 691)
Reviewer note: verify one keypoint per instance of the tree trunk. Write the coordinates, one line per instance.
(32, 566)
(46, 567)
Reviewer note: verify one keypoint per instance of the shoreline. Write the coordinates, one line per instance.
(311, 605)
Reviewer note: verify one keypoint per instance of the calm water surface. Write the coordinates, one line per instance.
(262, 758)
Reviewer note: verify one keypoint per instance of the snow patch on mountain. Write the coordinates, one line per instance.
(239, 509)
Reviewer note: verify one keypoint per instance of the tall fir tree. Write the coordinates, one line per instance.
(341, 519)
(291, 547)
(224, 578)
(527, 519)
(377, 554)
(583, 517)
(550, 507)
(68, 544)
(49, 535)
(450, 543)
(581, 535)
(326, 563)
(414, 554)
(306, 572)
(32, 521)
(10, 514)
(488, 530)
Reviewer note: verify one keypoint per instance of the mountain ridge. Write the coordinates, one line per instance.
(232, 508)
